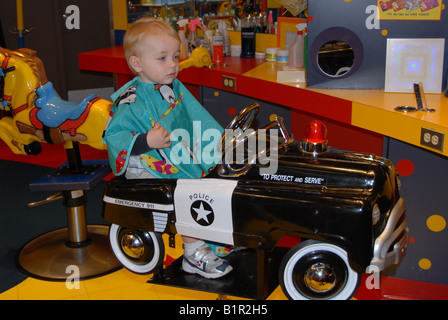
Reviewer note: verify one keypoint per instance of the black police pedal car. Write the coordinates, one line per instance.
(345, 207)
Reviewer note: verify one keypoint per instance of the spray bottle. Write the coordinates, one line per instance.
(193, 40)
(183, 44)
(297, 49)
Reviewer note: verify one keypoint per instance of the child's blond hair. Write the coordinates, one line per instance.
(144, 26)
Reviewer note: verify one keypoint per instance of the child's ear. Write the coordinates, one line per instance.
(135, 63)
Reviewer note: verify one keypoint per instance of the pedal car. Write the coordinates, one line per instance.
(345, 207)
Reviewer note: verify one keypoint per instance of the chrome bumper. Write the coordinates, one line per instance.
(391, 244)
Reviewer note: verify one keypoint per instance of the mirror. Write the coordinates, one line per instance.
(335, 58)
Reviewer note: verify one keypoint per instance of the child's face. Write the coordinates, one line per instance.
(159, 59)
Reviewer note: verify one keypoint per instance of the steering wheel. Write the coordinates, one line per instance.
(240, 123)
(244, 119)
(238, 135)
(236, 127)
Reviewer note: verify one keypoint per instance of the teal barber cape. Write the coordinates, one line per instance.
(138, 106)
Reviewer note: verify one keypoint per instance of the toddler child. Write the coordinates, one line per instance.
(144, 118)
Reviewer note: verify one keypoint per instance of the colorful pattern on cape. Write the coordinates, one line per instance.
(138, 106)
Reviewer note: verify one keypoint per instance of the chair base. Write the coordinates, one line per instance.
(48, 256)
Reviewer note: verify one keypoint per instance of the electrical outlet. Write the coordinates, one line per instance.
(432, 139)
(229, 82)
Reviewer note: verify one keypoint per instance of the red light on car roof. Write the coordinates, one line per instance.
(316, 132)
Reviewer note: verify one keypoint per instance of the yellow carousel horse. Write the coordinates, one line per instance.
(32, 111)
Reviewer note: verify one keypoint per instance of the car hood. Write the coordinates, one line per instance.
(332, 171)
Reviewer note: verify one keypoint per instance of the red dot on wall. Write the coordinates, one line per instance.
(405, 167)
(231, 111)
(310, 18)
(411, 240)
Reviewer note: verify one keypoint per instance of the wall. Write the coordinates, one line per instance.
(358, 17)
(423, 176)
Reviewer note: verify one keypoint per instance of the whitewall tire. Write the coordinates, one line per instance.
(318, 270)
(139, 251)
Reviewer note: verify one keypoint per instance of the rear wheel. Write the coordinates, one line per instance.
(318, 270)
(139, 251)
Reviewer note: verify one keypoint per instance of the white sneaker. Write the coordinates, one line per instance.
(205, 263)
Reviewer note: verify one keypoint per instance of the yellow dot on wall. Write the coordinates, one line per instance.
(424, 264)
(216, 93)
(384, 32)
(272, 117)
(436, 223)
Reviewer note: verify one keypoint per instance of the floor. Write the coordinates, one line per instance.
(19, 224)
(125, 285)
(118, 285)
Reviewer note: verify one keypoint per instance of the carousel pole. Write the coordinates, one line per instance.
(20, 29)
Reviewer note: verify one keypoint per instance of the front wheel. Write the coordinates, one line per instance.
(318, 270)
(139, 251)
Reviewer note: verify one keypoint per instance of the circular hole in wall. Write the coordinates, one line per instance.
(335, 58)
(337, 53)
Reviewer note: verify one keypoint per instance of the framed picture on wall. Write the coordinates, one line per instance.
(410, 61)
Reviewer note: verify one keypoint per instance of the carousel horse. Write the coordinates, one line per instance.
(34, 113)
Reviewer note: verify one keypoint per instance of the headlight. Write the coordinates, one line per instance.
(376, 213)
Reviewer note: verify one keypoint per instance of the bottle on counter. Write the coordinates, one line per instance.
(247, 37)
(218, 47)
(225, 34)
(296, 54)
(270, 24)
(207, 41)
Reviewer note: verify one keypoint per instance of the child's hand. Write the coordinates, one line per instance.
(158, 137)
